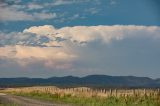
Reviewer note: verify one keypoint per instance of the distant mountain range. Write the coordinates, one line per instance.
(98, 81)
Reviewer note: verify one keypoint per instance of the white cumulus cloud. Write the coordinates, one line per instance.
(91, 33)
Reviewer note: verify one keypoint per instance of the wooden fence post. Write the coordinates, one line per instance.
(116, 92)
(144, 91)
(133, 92)
(110, 92)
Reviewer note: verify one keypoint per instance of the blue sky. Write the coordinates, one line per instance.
(44, 38)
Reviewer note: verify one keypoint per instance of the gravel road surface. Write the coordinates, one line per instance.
(25, 101)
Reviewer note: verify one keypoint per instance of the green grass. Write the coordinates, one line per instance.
(96, 101)
(2, 103)
(7, 104)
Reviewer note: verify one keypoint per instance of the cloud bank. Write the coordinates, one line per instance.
(79, 47)
(91, 33)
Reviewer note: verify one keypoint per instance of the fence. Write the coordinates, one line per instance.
(87, 92)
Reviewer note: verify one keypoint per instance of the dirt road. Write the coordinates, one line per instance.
(25, 101)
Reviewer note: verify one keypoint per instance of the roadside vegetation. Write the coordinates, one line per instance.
(93, 100)
(96, 101)
(7, 104)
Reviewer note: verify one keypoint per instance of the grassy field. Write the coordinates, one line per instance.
(96, 101)
(82, 98)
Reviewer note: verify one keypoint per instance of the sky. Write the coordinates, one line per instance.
(46, 38)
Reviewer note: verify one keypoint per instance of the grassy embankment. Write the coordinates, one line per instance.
(134, 100)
